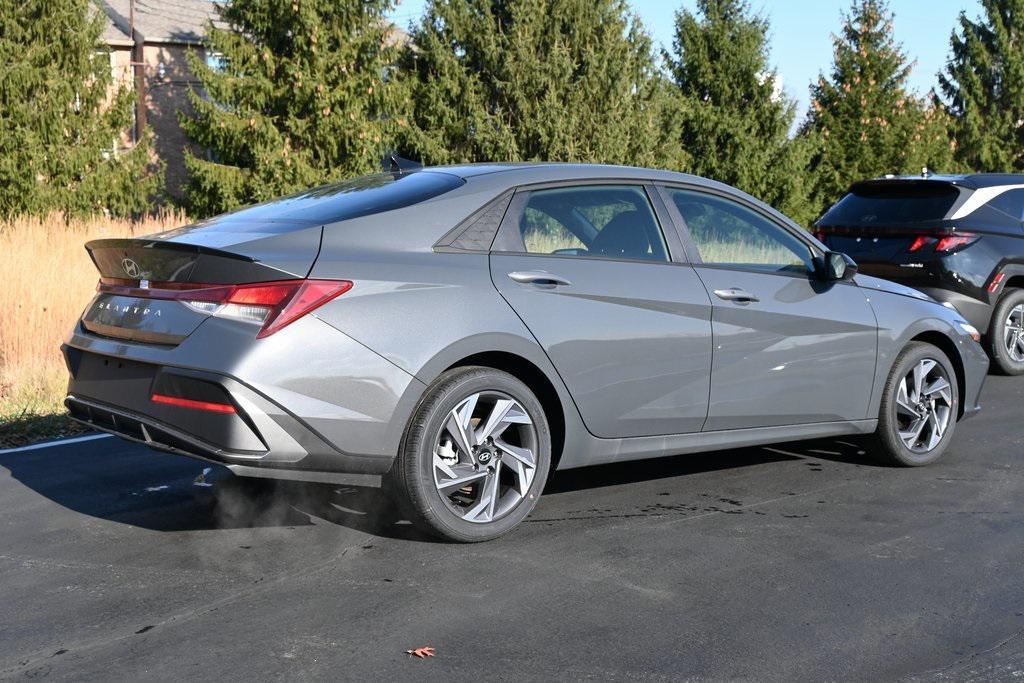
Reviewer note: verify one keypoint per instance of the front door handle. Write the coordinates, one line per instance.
(737, 295)
(538, 277)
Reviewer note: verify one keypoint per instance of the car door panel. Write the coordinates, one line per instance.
(632, 341)
(589, 271)
(804, 352)
(789, 348)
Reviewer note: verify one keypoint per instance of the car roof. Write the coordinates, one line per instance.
(971, 181)
(540, 172)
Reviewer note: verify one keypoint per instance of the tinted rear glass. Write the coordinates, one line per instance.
(353, 198)
(892, 204)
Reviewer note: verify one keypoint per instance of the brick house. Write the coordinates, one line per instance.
(152, 62)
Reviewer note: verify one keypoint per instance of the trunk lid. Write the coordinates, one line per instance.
(216, 252)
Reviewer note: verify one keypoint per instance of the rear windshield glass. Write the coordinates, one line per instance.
(889, 204)
(353, 198)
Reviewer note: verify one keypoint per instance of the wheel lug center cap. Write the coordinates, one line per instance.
(484, 456)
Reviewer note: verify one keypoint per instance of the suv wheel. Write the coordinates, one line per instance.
(1006, 336)
(475, 457)
(919, 408)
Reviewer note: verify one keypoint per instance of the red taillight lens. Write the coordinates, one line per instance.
(194, 405)
(919, 243)
(272, 305)
(291, 305)
(954, 242)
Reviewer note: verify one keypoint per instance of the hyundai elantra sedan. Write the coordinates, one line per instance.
(454, 334)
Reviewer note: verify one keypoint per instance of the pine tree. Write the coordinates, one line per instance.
(303, 94)
(865, 120)
(983, 84)
(536, 80)
(735, 120)
(60, 126)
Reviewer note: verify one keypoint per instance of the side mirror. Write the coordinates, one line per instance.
(835, 266)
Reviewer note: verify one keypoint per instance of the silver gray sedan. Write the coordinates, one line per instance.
(453, 334)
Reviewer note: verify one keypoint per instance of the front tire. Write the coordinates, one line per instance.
(1006, 335)
(475, 456)
(919, 408)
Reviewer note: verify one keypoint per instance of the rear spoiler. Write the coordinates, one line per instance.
(161, 261)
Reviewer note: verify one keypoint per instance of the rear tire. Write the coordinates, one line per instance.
(920, 406)
(482, 428)
(1005, 339)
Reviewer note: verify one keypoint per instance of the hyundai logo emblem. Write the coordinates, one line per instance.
(131, 268)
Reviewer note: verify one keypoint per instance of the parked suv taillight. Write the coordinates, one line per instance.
(271, 305)
(944, 244)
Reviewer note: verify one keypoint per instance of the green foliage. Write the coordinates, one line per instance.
(734, 119)
(863, 119)
(984, 86)
(304, 95)
(551, 80)
(59, 123)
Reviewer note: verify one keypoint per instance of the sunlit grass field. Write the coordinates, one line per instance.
(48, 280)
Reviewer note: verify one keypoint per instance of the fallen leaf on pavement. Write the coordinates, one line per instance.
(422, 652)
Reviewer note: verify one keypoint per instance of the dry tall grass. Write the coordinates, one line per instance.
(48, 279)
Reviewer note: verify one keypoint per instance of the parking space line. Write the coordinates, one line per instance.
(61, 442)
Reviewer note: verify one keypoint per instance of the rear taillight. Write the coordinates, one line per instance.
(919, 243)
(951, 243)
(944, 244)
(271, 305)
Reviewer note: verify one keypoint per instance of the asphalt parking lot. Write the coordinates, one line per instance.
(795, 562)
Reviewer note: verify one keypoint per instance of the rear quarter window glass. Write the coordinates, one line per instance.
(1011, 203)
(887, 205)
(362, 196)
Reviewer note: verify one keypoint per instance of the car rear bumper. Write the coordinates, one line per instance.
(311, 405)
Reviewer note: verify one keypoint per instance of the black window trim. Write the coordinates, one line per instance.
(691, 246)
(447, 243)
(509, 240)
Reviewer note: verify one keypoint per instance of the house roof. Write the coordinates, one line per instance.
(158, 21)
(180, 22)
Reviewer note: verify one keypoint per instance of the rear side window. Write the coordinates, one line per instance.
(608, 221)
(1011, 203)
(892, 203)
(362, 196)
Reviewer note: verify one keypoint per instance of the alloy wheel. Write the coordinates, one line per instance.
(1014, 334)
(924, 406)
(484, 457)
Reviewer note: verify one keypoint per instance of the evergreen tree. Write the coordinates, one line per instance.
(536, 80)
(984, 86)
(303, 94)
(865, 121)
(735, 120)
(60, 126)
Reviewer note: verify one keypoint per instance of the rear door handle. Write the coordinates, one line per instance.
(737, 295)
(538, 277)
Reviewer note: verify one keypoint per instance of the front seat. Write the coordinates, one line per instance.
(623, 237)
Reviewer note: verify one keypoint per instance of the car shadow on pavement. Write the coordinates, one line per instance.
(840, 451)
(162, 492)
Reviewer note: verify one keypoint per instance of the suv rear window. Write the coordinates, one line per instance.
(353, 198)
(886, 204)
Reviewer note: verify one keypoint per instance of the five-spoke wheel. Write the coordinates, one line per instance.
(484, 460)
(919, 408)
(924, 404)
(1006, 335)
(475, 457)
